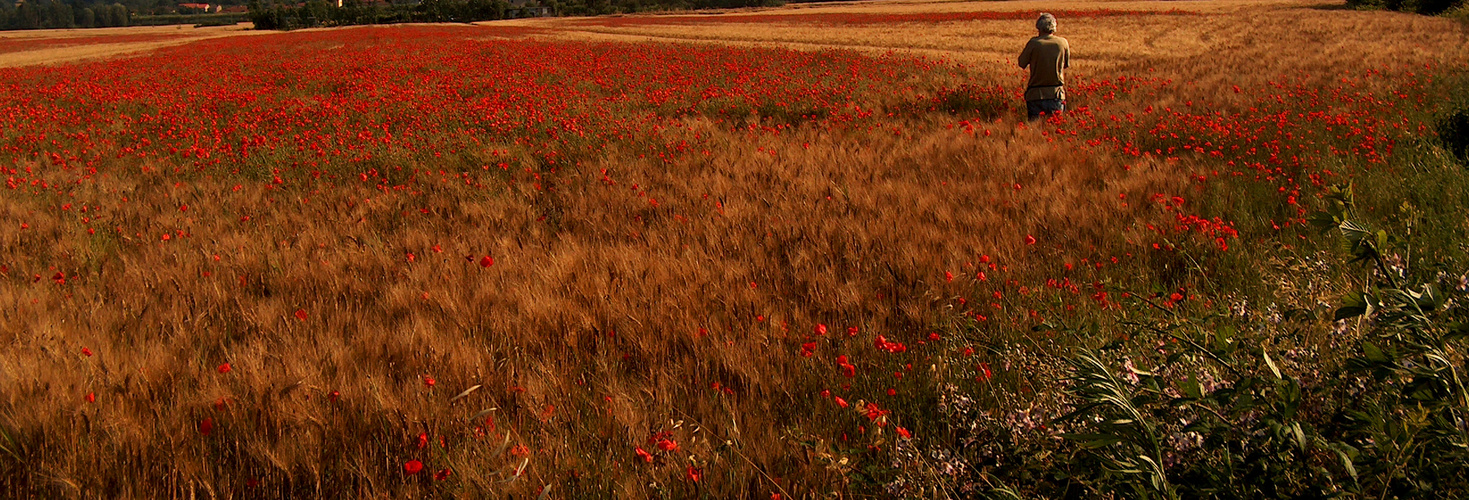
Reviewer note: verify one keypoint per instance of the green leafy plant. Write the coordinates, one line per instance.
(1410, 424)
(1123, 436)
(1387, 419)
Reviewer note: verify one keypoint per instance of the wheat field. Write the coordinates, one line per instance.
(273, 326)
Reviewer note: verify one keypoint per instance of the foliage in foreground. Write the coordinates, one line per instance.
(1388, 419)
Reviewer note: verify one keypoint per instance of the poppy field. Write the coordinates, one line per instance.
(516, 259)
(862, 18)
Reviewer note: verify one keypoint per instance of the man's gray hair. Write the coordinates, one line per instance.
(1046, 23)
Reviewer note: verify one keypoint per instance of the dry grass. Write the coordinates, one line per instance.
(585, 333)
(42, 47)
(1244, 32)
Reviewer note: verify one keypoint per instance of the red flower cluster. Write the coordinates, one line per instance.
(893, 347)
(875, 414)
(858, 18)
(848, 369)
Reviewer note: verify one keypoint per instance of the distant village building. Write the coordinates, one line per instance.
(529, 8)
(201, 6)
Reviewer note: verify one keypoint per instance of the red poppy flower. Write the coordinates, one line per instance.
(904, 432)
(301, 314)
(873, 412)
(840, 402)
(412, 466)
(486, 261)
(1029, 240)
(224, 368)
(820, 329)
(667, 445)
(659, 436)
(86, 352)
(520, 450)
(442, 475)
(693, 474)
(422, 440)
(428, 381)
(644, 455)
(206, 426)
(91, 397)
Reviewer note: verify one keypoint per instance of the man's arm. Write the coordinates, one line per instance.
(1066, 57)
(1025, 55)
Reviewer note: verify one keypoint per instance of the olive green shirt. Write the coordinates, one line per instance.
(1048, 57)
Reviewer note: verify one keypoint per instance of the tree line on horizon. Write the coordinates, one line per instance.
(49, 14)
(66, 14)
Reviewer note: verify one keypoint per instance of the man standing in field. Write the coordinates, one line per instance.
(1047, 56)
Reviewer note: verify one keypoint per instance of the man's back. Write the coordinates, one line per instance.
(1047, 56)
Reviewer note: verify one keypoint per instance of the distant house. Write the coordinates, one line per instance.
(201, 6)
(528, 8)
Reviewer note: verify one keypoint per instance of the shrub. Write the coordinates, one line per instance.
(1425, 7)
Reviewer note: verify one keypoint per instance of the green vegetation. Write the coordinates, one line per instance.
(45, 14)
(221, 19)
(1426, 7)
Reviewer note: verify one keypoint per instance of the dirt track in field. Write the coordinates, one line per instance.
(46, 47)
